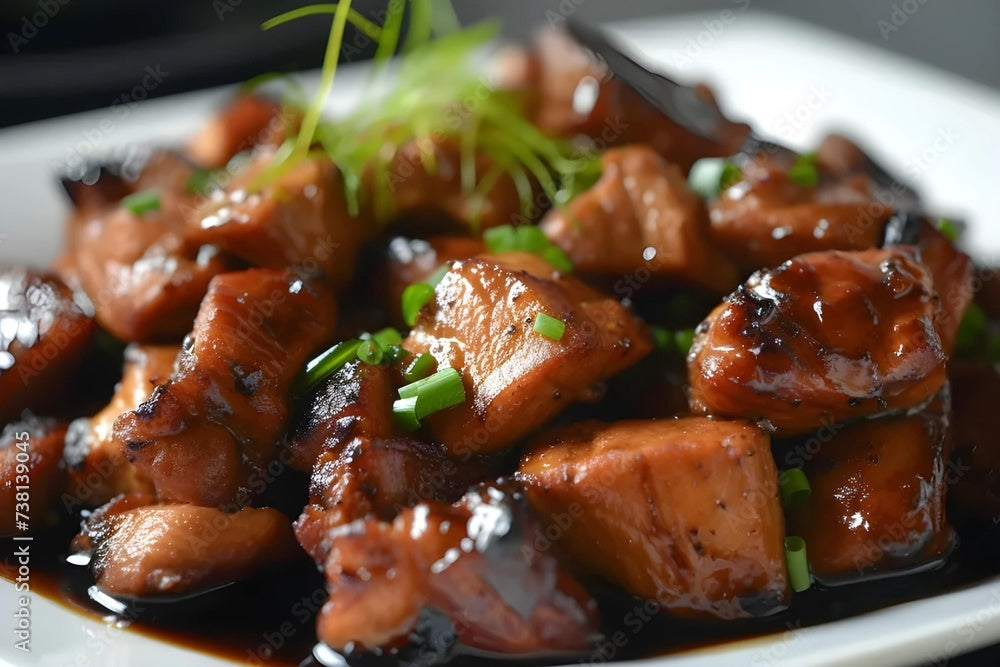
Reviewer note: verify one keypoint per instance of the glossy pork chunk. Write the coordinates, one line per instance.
(246, 122)
(139, 550)
(684, 512)
(877, 505)
(641, 216)
(472, 561)
(569, 94)
(206, 435)
(822, 339)
(30, 461)
(144, 281)
(299, 219)
(44, 334)
(768, 217)
(481, 322)
(98, 467)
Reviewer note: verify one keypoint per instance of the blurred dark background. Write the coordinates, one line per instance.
(61, 56)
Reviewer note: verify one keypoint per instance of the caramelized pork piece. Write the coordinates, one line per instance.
(481, 322)
(245, 122)
(422, 192)
(472, 560)
(824, 338)
(44, 334)
(31, 478)
(877, 506)
(148, 551)
(974, 473)
(570, 95)
(685, 512)
(841, 156)
(767, 217)
(206, 435)
(640, 217)
(300, 219)
(144, 283)
(97, 465)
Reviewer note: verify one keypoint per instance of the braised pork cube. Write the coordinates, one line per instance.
(31, 477)
(570, 94)
(472, 560)
(245, 122)
(206, 435)
(684, 511)
(424, 190)
(877, 506)
(149, 551)
(774, 213)
(641, 217)
(131, 261)
(299, 219)
(824, 338)
(974, 473)
(841, 156)
(482, 321)
(409, 261)
(951, 270)
(97, 466)
(44, 335)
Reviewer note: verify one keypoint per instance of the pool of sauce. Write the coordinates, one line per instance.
(270, 620)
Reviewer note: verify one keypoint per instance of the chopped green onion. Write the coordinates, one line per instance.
(683, 339)
(326, 364)
(972, 333)
(549, 326)
(555, 256)
(387, 337)
(711, 175)
(948, 229)
(142, 202)
(500, 239)
(663, 339)
(405, 412)
(370, 352)
(527, 238)
(393, 353)
(438, 275)
(203, 181)
(804, 171)
(415, 296)
(798, 563)
(530, 238)
(419, 368)
(794, 487)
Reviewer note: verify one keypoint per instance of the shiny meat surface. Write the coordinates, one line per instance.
(30, 455)
(144, 283)
(641, 217)
(877, 505)
(300, 219)
(148, 551)
(98, 467)
(685, 511)
(44, 334)
(472, 561)
(480, 322)
(206, 436)
(824, 338)
(569, 94)
(767, 217)
(245, 122)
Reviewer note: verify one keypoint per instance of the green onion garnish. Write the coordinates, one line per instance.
(683, 339)
(549, 326)
(711, 175)
(429, 395)
(203, 181)
(798, 563)
(972, 335)
(387, 337)
(415, 296)
(527, 238)
(663, 339)
(326, 364)
(804, 171)
(370, 352)
(948, 229)
(419, 368)
(794, 487)
(142, 202)
(438, 275)
(405, 412)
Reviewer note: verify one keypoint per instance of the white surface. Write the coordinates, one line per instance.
(791, 81)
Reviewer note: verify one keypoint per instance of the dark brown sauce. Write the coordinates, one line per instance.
(270, 620)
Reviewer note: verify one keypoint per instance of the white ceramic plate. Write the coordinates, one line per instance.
(792, 81)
